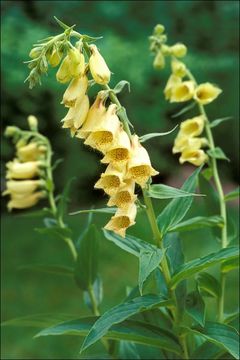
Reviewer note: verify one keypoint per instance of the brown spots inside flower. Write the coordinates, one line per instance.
(120, 222)
(118, 154)
(191, 128)
(110, 181)
(122, 198)
(140, 171)
(102, 137)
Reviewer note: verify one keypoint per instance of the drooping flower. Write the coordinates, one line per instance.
(183, 91)
(110, 180)
(30, 152)
(206, 93)
(178, 50)
(104, 130)
(124, 196)
(98, 67)
(27, 170)
(159, 61)
(172, 82)
(178, 68)
(75, 91)
(22, 187)
(76, 115)
(186, 142)
(23, 202)
(63, 74)
(76, 62)
(195, 157)
(123, 219)
(139, 166)
(192, 127)
(55, 58)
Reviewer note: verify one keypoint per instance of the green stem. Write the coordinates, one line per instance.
(222, 204)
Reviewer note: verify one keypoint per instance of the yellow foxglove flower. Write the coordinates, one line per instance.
(22, 187)
(63, 74)
(125, 195)
(55, 58)
(75, 90)
(110, 180)
(186, 142)
(178, 50)
(206, 93)
(96, 112)
(192, 127)
(139, 167)
(171, 83)
(104, 131)
(123, 219)
(30, 152)
(76, 115)
(182, 92)
(25, 201)
(98, 67)
(27, 170)
(119, 152)
(159, 61)
(178, 68)
(76, 62)
(195, 157)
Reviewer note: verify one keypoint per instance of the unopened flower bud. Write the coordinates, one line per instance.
(178, 68)
(172, 82)
(76, 90)
(11, 131)
(32, 122)
(30, 152)
(76, 63)
(98, 67)
(159, 61)
(178, 50)
(55, 58)
(35, 52)
(165, 49)
(63, 74)
(159, 29)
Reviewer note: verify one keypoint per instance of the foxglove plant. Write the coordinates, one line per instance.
(169, 319)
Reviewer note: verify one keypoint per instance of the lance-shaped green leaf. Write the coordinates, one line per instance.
(148, 261)
(195, 307)
(98, 294)
(232, 195)
(87, 262)
(161, 191)
(120, 313)
(131, 244)
(185, 109)
(217, 153)
(208, 284)
(130, 330)
(230, 265)
(217, 122)
(118, 88)
(228, 318)
(153, 135)
(64, 198)
(207, 351)
(197, 223)
(102, 211)
(50, 269)
(193, 267)
(38, 320)
(55, 231)
(222, 335)
(175, 211)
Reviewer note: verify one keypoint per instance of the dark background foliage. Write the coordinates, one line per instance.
(210, 30)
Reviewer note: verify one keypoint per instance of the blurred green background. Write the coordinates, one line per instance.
(210, 30)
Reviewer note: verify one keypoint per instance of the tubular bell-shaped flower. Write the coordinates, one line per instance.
(76, 62)
(23, 201)
(139, 166)
(195, 157)
(110, 180)
(124, 196)
(75, 91)
(183, 91)
(192, 127)
(98, 67)
(206, 93)
(76, 115)
(178, 68)
(182, 142)
(172, 82)
(123, 219)
(63, 74)
(22, 187)
(27, 170)
(30, 152)
(104, 131)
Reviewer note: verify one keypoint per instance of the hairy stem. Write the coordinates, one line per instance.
(222, 204)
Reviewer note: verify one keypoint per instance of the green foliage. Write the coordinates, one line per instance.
(195, 307)
(161, 191)
(217, 153)
(208, 284)
(198, 222)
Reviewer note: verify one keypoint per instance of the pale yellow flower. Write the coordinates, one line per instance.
(63, 74)
(172, 82)
(104, 131)
(192, 127)
(24, 202)
(75, 91)
(139, 166)
(123, 219)
(195, 157)
(96, 112)
(77, 114)
(159, 61)
(178, 50)
(186, 142)
(30, 152)
(98, 67)
(76, 62)
(119, 151)
(22, 187)
(183, 91)
(27, 170)
(178, 68)
(110, 180)
(124, 196)
(206, 93)
(55, 58)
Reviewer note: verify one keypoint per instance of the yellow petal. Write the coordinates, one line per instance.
(77, 114)
(76, 62)
(139, 166)
(195, 157)
(185, 142)
(206, 93)
(98, 67)
(110, 180)
(178, 50)
(27, 170)
(30, 152)
(182, 92)
(171, 83)
(25, 202)
(124, 196)
(123, 219)
(55, 58)
(192, 127)
(22, 187)
(178, 68)
(76, 90)
(63, 74)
